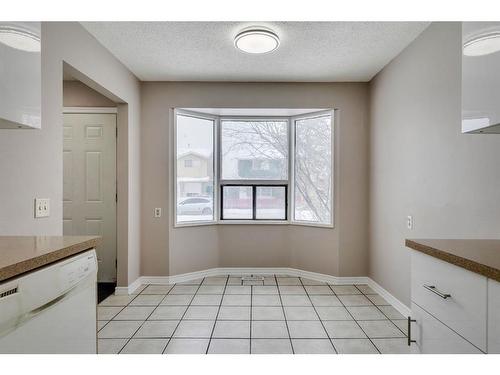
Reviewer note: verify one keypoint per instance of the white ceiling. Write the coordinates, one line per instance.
(204, 51)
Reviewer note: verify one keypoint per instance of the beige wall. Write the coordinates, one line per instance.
(421, 164)
(339, 251)
(77, 94)
(31, 160)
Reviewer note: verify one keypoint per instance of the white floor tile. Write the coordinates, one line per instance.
(211, 289)
(145, 346)
(120, 300)
(392, 346)
(343, 329)
(267, 313)
(312, 346)
(187, 346)
(238, 289)
(157, 329)
(391, 312)
(168, 313)
(110, 346)
(229, 346)
(354, 346)
(119, 330)
(266, 300)
(292, 289)
(300, 313)
(157, 289)
(207, 300)
(194, 329)
(306, 330)
(366, 313)
(134, 313)
(269, 329)
(201, 313)
(232, 329)
(234, 313)
(147, 300)
(345, 289)
(177, 299)
(271, 346)
(365, 289)
(236, 300)
(380, 328)
(333, 313)
(318, 300)
(377, 300)
(265, 289)
(107, 312)
(295, 300)
(184, 289)
(355, 300)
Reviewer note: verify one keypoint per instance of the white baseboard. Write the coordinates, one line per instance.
(165, 280)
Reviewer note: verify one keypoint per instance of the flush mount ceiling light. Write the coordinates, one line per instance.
(19, 38)
(483, 45)
(256, 40)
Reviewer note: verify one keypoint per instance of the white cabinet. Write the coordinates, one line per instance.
(433, 337)
(20, 75)
(455, 310)
(493, 316)
(452, 294)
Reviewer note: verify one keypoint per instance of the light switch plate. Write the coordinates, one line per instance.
(42, 207)
(409, 222)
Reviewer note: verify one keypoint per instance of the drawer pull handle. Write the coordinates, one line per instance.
(433, 289)
(410, 321)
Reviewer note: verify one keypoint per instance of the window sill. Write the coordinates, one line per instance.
(253, 222)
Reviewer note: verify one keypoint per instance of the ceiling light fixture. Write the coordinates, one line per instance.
(19, 38)
(483, 45)
(256, 40)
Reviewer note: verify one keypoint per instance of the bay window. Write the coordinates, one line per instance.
(270, 168)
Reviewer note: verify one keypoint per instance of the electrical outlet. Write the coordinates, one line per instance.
(157, 212)
(409, 222)
(42, 207)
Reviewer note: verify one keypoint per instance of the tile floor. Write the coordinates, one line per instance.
(228, 314)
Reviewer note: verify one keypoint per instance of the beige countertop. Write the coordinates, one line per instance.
(21, 254)
(479, 256)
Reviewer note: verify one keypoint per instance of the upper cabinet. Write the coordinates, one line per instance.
(481, 77)
(20, 75)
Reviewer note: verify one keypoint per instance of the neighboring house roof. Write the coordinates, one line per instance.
(201, 153)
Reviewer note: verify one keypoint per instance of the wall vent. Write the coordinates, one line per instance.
(8, 292)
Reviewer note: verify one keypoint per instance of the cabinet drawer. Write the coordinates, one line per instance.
(465, 311)
(433, 337)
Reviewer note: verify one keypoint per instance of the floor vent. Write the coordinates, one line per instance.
(252, 280)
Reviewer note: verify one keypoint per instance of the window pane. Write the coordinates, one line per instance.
(313, 170)
(270, 202)
(254, 150)
(195, 169)
(237, 202)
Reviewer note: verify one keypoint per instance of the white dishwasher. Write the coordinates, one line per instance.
(51, 310)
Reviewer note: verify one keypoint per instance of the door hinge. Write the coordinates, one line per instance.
(116, 263)
(116, 197)
(116, 131)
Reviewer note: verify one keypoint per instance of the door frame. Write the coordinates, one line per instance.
(100, 111)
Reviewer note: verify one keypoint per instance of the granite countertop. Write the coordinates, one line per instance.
(21, 254)
(479, 256)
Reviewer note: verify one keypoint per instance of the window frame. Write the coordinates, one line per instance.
(215, 214)
(294, 120)
(219, 182)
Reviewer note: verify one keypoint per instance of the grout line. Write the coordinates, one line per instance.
(319, 318)
(216, 316)
(140, 326)
(251, 316)
(354, 318)
(378, 308)
(284, 315)
(185, 311)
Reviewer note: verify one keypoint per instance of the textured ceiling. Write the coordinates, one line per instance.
(204, 51)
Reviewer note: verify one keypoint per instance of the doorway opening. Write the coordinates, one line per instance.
(89, 173)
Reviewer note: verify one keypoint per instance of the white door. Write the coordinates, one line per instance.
(89, 192)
